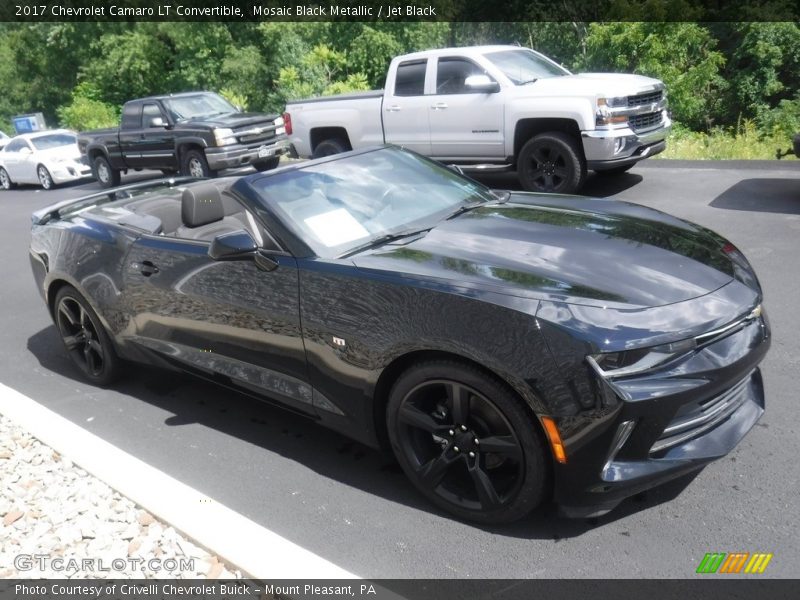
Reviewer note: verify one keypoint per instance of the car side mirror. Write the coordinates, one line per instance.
(240, 245)
(157, 122)
(237, 245)
(481, 83)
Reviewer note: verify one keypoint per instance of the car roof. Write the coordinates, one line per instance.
(463, 51)
(178, 95)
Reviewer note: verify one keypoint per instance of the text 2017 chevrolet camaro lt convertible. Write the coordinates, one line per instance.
(509, 347)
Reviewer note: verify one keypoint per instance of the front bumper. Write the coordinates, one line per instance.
(611, 148)
(65, 172)
(240, 155)
(668, 423)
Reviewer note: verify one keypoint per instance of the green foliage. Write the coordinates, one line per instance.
(86, 111)
(323, 71)
(745, 141)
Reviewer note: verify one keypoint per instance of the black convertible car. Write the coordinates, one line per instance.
(509, 347)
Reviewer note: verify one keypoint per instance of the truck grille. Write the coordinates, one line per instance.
(696, 418)
(646, 98)
(645, 121)
(251, 134)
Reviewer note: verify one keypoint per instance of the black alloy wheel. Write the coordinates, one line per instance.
(551, 162)
(467, 443)
(84, 337)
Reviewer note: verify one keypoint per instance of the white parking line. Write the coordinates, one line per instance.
(255, 550)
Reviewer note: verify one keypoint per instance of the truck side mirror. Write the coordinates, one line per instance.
(481, 84)
(157, 122)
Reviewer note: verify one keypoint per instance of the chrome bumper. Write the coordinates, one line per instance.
(239, 155)
(609, 148)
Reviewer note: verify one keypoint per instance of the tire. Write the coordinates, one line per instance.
(105, 175)
(85, 338)
(615, 171)
(551, 162)
(194, 164)
(435, 442)
(44, 177)
(5, 180)
(329, 147)
(266, 165)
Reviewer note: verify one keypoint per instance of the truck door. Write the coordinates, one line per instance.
(406, 107)
(464, 123)
(152, 144)
(130, 131)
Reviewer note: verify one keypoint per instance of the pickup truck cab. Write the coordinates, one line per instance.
(495, 107)
(196, 133)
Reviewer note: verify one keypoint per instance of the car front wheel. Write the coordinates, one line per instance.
(45, 179)
(551, 162)
(196, 165)
(85, 338)
(467, 442)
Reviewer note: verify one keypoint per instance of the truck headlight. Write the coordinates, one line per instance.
(616, 102)
(224, 136)
(632, 362)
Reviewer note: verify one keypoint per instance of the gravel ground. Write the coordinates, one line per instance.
(53, 509)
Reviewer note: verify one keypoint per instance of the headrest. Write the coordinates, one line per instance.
(201, 205)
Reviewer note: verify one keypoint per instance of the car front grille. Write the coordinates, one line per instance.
(645, 121)
(646, 98)
(696, 418)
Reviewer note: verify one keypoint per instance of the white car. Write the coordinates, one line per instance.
(47, 158)
(3, 139)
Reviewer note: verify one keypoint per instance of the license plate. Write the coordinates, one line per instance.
(264, 152)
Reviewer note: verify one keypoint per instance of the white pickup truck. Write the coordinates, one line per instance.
(494, 107)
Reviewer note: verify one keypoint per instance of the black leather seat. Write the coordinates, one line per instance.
(203, 214)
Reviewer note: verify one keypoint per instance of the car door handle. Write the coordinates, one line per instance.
(394, 108)
(147, 268)
(439, 106)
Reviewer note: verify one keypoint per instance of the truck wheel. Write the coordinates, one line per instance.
(196, 165)
(329, 147)
(615, 171)
(103, 173)
(551, 162)
(266, 165)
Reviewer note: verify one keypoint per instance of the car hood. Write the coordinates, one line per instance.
(592, 84)
(568, 249)
(231, 120)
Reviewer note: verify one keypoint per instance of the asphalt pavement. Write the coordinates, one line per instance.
(352, 505)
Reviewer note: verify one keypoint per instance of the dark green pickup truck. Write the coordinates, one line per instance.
(194, 133)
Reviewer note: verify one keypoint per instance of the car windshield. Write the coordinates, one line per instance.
(340, 205)
(523, 66)
(54, 140)
(196, 106)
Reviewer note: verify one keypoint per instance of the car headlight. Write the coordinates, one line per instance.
(224, 136)
(632, 362)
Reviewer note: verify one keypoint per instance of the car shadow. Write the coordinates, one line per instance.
(774, 195)
(190, 400)
(596, 186)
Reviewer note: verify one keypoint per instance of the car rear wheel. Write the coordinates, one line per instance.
(196, 165)
(5, 180)
(551, 162)
(466, 442)
(84, 337)
(266, 165)
(45, 180)
(329, 147)
(105, 175)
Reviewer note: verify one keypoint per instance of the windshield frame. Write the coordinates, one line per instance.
(555, 70)
(259, 188)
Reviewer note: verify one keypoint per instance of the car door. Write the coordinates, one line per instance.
(228, 320)
(464, 123)
(17, 160)
(406, 108)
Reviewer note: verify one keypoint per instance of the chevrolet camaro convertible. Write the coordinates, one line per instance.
(510, 348)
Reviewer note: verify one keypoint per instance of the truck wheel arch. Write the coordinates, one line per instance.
(337, 135)
(527, 129)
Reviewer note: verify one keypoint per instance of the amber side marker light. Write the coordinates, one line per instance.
(555, 439)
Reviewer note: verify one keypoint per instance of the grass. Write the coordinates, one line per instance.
(745, 142)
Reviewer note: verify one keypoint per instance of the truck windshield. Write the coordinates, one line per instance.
(343, 204)
(196, 106)
(523, 66)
